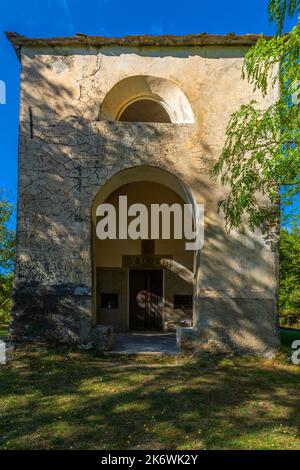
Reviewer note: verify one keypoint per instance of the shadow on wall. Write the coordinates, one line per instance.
(62, 166)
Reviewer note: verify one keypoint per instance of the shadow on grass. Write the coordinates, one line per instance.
(3, 331)
(59, 399)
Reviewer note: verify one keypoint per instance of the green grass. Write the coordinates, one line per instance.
(3, 331)
(57, 399)
(288, 336)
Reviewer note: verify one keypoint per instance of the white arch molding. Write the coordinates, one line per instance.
(144, 87)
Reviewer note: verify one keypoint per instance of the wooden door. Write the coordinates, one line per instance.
(145, 300)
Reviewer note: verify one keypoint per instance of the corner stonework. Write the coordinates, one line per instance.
(102, 337)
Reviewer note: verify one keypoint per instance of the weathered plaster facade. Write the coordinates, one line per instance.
(70, 146)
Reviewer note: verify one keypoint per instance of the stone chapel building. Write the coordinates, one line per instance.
(145, 117)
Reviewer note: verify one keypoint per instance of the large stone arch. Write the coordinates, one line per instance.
(132, 174)
(157, 175)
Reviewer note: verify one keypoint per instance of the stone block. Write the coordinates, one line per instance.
(6, 352)
(171, 326)
(186, 338)
(102, 337)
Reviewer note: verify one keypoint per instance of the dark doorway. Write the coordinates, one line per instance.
(145, 306)
(145, 111)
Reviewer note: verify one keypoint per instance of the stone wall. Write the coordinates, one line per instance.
(61, 170)
(68, 150)
(113, 281)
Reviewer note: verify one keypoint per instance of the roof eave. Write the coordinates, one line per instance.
(79, 40)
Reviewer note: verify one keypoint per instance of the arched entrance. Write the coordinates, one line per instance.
(144, 283)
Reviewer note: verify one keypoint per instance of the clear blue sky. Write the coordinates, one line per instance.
(38, 18)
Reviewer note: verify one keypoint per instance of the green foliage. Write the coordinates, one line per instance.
(7, 236)
(279, 9)
(7, 257)
(289, 292)
(261, 152)
(5, 297)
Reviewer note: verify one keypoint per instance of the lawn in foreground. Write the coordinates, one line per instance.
(57, 399)
(3, 331)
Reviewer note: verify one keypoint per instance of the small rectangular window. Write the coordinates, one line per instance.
(183, 301)
(109, 301)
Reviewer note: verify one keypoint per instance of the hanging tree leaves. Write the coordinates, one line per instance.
(7, 256)
(261, 152)
(279, 9)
